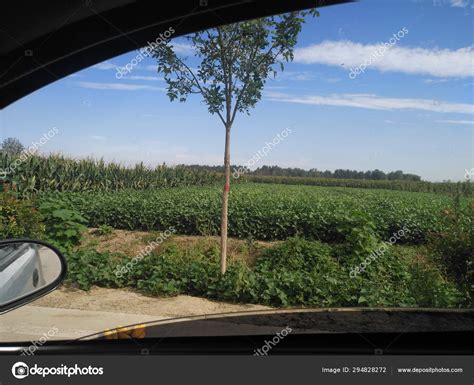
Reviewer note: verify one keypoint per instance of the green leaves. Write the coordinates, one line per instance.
(55, 173)
(19, 218)
(38, 174)
(296, 272)
(359, 217)
(359, 232)
(64, 225)
(234, 62)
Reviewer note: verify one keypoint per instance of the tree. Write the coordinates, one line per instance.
(234, 63)
(378, 175)
(395, 175)
(12, 146)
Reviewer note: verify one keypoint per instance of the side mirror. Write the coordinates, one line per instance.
(28, 270)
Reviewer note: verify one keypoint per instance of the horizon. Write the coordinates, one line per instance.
(233, 166)
(411, 109)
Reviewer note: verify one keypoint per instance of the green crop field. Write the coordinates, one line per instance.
(264, 211)
(328, 231)
(58, 173)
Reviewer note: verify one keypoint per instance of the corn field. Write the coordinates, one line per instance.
(58, 173)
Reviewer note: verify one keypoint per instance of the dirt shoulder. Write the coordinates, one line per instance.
(130, 302)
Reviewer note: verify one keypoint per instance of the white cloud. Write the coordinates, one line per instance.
(434, 81)
(452, 3)
(276, 87)
(98, 137)
(434, 62)
(469, 122)
(118, 86)
(151, 67)
(303, 76)
(138, 77)
(106, 65)
(295, 75)
(332, 80)
(374, 102)
(183, 48)
(459, 3)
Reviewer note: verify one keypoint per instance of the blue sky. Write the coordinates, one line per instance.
(411, 109)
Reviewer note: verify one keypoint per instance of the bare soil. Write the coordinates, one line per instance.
(130, 302)
(131, 243)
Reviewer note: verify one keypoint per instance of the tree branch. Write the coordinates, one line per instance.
(201, 89)
(239, 97)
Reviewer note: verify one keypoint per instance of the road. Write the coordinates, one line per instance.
(30, 323)
(75, 313)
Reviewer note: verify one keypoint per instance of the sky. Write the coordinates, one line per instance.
(411, 108)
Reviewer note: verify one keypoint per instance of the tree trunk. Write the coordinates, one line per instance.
(225, 201)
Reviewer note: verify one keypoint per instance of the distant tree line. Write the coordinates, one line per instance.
(13, 146)
(299, 172)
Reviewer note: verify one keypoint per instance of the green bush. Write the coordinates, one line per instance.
(296, 254)
(359, 236)
(87, 268)
(404, 276)
(19, 218)
(454, 246)
(296, 272)
(430, 289)
(64, 225)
